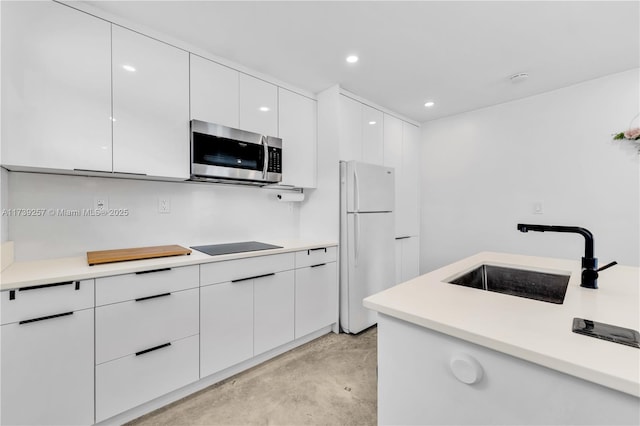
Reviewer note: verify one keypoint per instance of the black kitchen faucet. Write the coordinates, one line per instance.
(589, 262)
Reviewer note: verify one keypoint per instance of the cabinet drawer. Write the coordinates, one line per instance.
(316, 256)
(219, 272)
(44, 300)
(135, 379)
(147, 283)
(128, 327)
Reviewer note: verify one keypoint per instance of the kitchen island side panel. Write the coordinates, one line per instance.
(417, 386)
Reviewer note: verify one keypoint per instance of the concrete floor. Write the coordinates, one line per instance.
(329, 381)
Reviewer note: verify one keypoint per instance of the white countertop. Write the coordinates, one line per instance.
(532, 330)
(25, 274)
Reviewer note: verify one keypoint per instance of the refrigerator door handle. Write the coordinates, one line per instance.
(356, 191)
(356, 239)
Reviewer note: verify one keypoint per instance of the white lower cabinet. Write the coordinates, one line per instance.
(127, 382)
(47, 370)
(47, 354)
(407, 258)
(244, 318)
(316, 298)
(226, 325)
(82, 352)
(273, 298)
(264, 303)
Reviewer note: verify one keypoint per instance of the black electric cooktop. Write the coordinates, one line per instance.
(217, 249)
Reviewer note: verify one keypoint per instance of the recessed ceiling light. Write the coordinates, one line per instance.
(129, 68)
(352, 59)
(372, 122)
(264, 109)
(429, 104)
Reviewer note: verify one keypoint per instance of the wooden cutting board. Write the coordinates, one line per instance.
(120, 255)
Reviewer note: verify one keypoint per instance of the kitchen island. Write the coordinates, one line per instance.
(450, 354)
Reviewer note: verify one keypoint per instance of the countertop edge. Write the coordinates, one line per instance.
(127, 267)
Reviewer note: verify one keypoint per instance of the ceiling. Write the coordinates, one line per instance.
(459, 54)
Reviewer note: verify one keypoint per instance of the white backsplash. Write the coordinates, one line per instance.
(200, 214)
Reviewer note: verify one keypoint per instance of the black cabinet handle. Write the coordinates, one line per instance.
(403, 238)
(45, 318)
(155, 348)
(319, 264)
(252, 278)
(316, 249)
(152, 297)
(12, 293)
(153, 270)
(36, 287)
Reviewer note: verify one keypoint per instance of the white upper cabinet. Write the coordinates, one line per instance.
(297, 122)
(401, 151)
(393, 158)
(372, 135)
(150, 106)
(411, 178)
(392, 141)
(350, 129)
(361, 132)
(56, 87)
(214, 92)
(258, 106)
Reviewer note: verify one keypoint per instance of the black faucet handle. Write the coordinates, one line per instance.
(607, 266)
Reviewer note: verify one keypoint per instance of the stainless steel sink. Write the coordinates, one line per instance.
(543, 286)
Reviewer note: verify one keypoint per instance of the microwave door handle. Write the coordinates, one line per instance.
(263, 140)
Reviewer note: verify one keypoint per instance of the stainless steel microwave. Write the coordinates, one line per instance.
(228, 155)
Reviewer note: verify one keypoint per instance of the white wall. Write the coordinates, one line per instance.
(482, 172)
(200, 214)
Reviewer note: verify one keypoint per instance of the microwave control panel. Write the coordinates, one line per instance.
(275, 160)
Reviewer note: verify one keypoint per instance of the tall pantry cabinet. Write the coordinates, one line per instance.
(370, 135)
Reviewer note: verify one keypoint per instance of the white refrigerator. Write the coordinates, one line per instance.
(367, 239)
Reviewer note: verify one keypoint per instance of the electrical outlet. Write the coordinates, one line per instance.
(101, 203)
(538, 207)
(164, 205)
